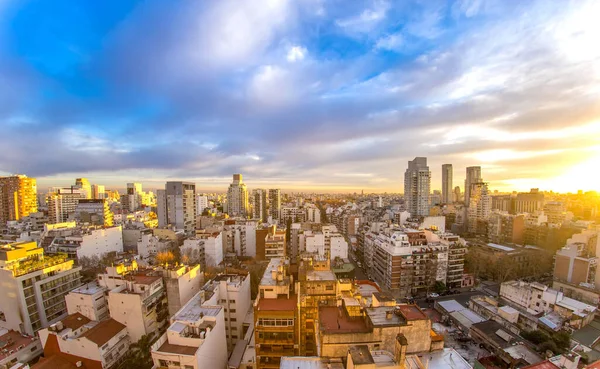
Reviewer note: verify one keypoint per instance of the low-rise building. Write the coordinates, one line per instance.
(88, 242)
(77, 339)
(88, 300)
(136, 298)
(194, 340)
(182, 282)
(17, 348)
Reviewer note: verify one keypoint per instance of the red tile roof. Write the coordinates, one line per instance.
(594, 365)
(279, 304)
(52, 349)
(54, 362)
(11, 341)
(103, 331)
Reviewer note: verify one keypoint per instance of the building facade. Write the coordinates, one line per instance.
(417, 182)
(237, 198)
(176, 206)
(18, 198)
(447, 196)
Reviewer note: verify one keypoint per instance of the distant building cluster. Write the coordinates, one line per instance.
(258, 278)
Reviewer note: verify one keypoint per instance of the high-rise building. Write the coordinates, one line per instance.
(62, 203)
(417, 182)
(473, 176)
(34, 286)
(447, 195)
(201, 203)
(18, 198)
(98, 192)
(176, 205)
(95, 212)
(275, 203)
(237, 198)
(457, 195)
(529, 202)
(480, 206)
(84, 184)
(259, 211)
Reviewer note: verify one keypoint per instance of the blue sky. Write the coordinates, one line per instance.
(331, 95)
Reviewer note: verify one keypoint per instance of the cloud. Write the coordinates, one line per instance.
(230, 87)
(296, 53)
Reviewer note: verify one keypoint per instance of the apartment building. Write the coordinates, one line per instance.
(95, 212)
(293, 214)
(88, 241)
(88, 300)
(276, 325)
(326, 242)
(480, 205)
(17, 348)
(136, 298)
(275, 204)
(404, 260)
(240, 236)
(18, 198)
(176, 206)
(194, 340)
(62, 203)
(259, 205)
(237, 198)
(274, 243)
(232, 292)
(506, 228)
(149, 245)
(529, 202)
(316, 286)
(34, 286)
(417, 182)
(182, 282)
(576, 264)
(78, 339)
(558, 309)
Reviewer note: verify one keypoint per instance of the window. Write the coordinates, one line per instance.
(232, 310)
(105, 346)
(329, 288)
(188, 366)
(233, 319)
(232, 301)
(234, 337)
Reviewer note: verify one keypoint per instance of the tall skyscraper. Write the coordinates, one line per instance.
(259, 211)
(84, 184)
(457, 195)
(447, 183)
(176, 205)
(417, 183)
(18, 198)
(237, 198)
(473, 176)
(275, 203)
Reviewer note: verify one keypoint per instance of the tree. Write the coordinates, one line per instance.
(535, 336)
(165, 257)
(562, 340)
(439, 287)
(138, 356)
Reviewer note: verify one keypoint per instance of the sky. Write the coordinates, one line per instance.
(303, 94)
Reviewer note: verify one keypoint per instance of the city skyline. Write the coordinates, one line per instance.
(309, 96)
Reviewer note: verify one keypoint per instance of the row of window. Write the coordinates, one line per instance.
(268, 322)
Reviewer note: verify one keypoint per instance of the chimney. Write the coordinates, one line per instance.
(388, 314)
(78, 364)
(400, 349)
(274, 274)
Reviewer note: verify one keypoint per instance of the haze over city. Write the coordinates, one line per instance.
(302, 95)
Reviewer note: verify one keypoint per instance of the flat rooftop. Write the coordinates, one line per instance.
(385, 316)
(11, 340)
(412, 312)
(91, 288)
(177, 349)
(500, 247)
(445, 359)
(304, 362)
(333, 319)
(193, 310)
(278, 304)
(320, 275)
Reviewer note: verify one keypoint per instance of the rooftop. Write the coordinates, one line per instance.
(303, 362)
(193, 311)
(320, 275)
(450, 306)
(89, 289)
(333, 320)
(412, 312)
(524, 353)
(500, 247)
(279, 304)
(361, 355)
(177, 349)
(75, 321)
(13, 341)
(445, 359)
(102, 332)
(385, 316)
